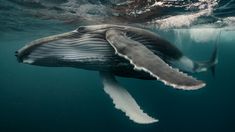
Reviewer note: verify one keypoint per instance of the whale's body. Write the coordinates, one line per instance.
(118, 50)
(93, 52)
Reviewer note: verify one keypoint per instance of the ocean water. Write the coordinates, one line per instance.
(47, 99)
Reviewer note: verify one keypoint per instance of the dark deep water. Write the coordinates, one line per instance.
(41, 99)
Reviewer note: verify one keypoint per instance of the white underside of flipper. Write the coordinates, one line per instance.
(124, 101)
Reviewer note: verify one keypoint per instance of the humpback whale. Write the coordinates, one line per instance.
(116, 50)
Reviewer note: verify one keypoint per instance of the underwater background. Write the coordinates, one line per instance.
(45, 99)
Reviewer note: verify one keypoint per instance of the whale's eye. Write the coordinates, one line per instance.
(81, 29)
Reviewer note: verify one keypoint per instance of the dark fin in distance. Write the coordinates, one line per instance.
(214, 57)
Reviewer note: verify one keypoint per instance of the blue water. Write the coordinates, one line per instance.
(42, 99)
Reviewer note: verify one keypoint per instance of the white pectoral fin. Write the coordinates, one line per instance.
(124, 101)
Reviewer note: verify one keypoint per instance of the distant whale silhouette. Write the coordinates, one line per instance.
(116, 50)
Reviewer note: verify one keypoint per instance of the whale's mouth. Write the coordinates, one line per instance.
(24, 55)
(72, 49)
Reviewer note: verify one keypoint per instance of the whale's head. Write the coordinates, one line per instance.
(84, 46)
(31, 52)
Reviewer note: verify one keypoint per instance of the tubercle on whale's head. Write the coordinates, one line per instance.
(19, 56)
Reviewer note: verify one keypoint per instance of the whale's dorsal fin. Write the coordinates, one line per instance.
(124, 101)
(144, 59)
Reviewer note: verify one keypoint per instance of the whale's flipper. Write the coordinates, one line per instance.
(124, 101)
(144, 59)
